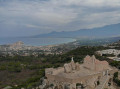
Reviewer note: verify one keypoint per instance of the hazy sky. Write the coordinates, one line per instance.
(30, 17)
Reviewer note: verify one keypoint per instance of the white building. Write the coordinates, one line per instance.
(109, 51)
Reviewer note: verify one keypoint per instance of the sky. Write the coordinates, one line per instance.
(32, 17)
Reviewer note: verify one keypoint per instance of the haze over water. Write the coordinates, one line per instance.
(36, 41)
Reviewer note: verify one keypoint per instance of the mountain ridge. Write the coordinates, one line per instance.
(106, 31)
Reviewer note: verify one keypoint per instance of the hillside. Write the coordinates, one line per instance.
(106, 31)
(29, 69)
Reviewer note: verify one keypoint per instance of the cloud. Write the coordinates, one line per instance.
(45, 16)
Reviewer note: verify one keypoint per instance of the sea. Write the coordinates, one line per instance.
(36, 41)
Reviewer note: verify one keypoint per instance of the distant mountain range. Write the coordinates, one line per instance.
(101, 32)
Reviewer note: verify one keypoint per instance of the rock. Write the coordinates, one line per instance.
(67, 68)
(71, 66)
(77, 66)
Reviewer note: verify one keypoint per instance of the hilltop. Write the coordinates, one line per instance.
(100, 32)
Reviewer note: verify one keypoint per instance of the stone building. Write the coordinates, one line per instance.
(79, 76)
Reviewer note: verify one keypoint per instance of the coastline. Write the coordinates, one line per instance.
(37, 41)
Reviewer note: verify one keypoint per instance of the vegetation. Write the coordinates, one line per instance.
(115, 64)
(115, 78)
(108, 55)
(26, 71)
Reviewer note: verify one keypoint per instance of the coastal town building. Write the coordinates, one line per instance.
(92, 74)
(109, 51)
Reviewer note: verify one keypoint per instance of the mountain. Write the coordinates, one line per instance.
(106, 31)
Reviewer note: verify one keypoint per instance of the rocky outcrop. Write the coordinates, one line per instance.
(74, 75)
(91, 82)
(94, 64)
(68, 68)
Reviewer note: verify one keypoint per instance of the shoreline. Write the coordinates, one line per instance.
(38, 42)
